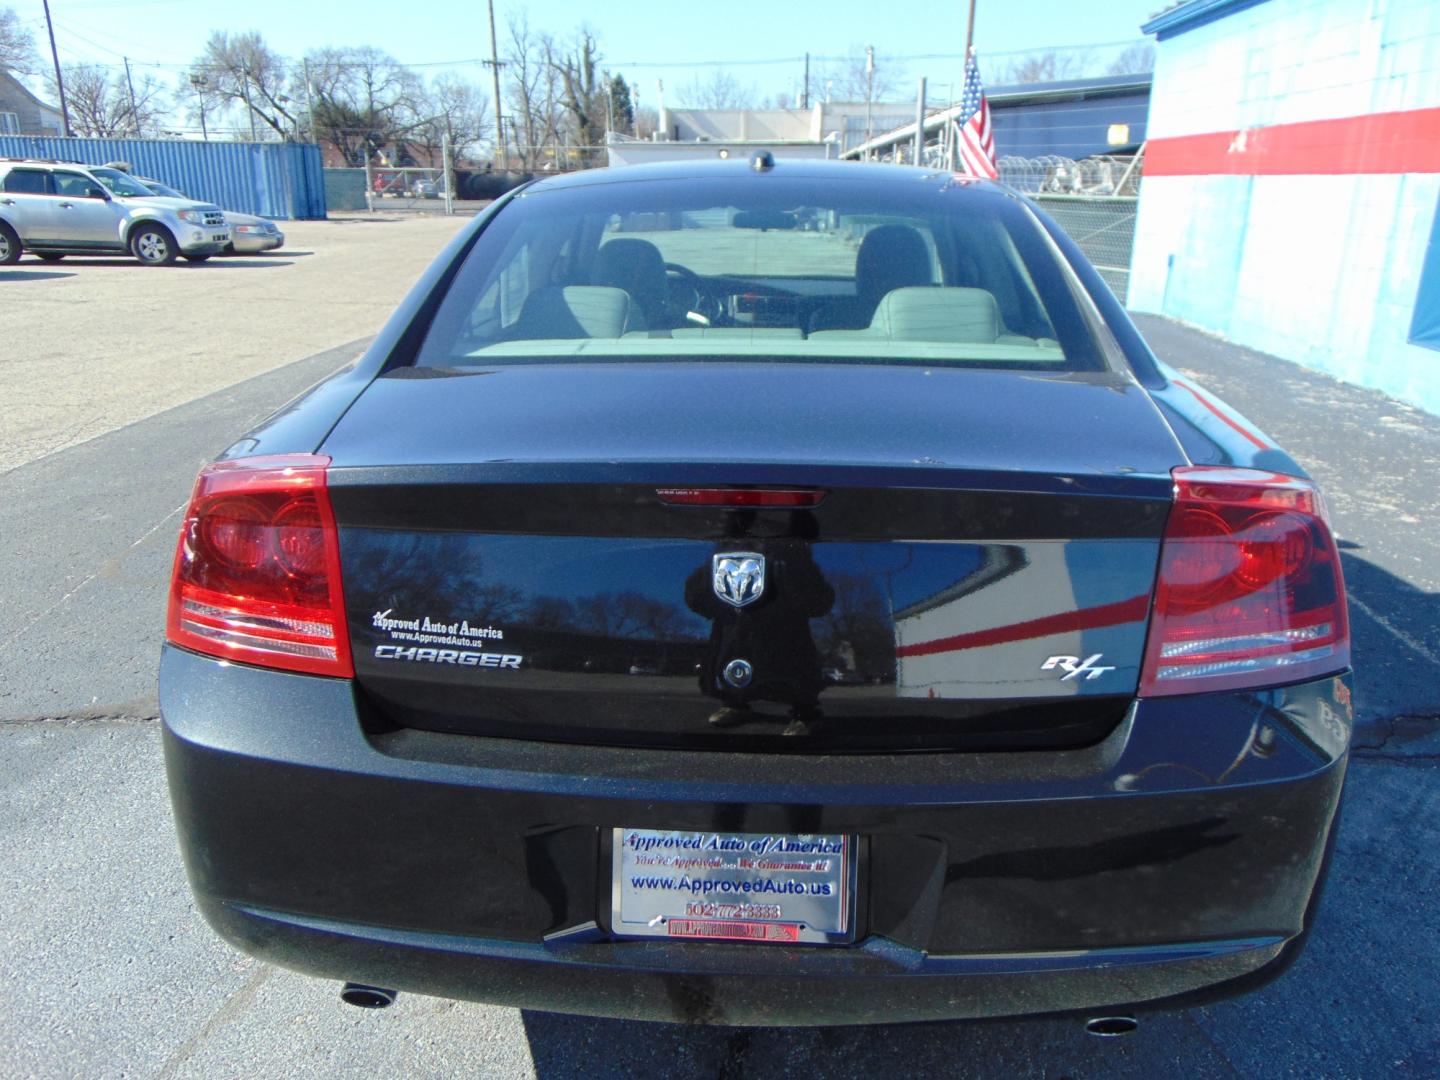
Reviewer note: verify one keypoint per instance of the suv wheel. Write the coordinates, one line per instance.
(153, 245)
(9, 245)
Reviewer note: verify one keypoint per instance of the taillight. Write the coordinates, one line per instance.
(1249, 591)
(257, 571)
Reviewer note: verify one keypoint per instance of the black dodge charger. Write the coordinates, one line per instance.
(760, 593)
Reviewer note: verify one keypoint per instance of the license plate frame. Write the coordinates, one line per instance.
(671, 883)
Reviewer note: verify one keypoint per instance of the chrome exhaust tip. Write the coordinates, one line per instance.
(1111, 1027)
(367, 997)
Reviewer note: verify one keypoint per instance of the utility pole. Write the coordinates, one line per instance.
(59, 82)
(199, 82)
(920, 125)
(309, 101)
(130, 83)
(249, 109)
(449, 166)
(495, 71)
(805, 94)
(869, 94)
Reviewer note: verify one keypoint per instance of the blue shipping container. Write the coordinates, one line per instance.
(275, 180)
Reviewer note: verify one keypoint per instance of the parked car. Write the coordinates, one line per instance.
(640, 406)
(426, 189)
(249, 235)
(58, 208)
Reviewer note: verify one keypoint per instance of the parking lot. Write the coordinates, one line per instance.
(109, 972)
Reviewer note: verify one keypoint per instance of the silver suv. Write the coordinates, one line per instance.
(59, 208)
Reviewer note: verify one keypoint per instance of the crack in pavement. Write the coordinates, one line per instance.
(7, 642)
(81, 718)
(236, 1003)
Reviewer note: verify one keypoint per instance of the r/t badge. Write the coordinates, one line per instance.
(1074, 667)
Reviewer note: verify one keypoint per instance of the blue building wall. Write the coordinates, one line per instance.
(1324, 269)
(1073, 129)
(274, 180)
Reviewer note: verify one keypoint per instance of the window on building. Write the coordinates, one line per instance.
(9, 123)
(1425, 323)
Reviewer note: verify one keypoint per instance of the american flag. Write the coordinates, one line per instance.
(975, 145)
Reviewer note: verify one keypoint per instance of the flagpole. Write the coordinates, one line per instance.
(970, 30)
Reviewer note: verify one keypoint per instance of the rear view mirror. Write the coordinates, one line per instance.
(764, 219)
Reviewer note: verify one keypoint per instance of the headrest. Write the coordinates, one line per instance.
(935, 313)
(572, 311)
(890, 257)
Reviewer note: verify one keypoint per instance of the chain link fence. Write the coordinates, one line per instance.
(1093, 199)
(1103, 227)
(1099, 176)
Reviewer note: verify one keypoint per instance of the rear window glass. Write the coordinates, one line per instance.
(927, 271)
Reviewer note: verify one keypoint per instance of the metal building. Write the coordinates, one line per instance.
(275, 180)
(1291, 181)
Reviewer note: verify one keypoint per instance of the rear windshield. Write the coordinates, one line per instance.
(909, 270)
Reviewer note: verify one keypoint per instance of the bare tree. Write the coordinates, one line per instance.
(242, 71)
(1135, 60)
(532, 91)
(363, 100)
(455, 109)
(720, 91)
(582, 87)
(847, 80)
(1047, 66)
(101, 107)
(17, 46)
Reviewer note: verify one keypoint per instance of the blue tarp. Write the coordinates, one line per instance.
(1425, 323)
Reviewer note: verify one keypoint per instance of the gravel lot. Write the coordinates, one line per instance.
(89, 345)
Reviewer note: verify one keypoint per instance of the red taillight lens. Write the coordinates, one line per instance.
(1249, 591)
(257, 571)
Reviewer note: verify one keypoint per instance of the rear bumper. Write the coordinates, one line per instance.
(1179, 855)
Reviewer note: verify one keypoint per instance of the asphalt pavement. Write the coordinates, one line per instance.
(108, 971)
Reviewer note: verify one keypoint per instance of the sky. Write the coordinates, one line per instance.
(676, 41)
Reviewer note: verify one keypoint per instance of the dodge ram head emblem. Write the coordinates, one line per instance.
(739, 577)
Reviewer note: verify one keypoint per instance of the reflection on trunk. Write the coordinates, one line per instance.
(773, 634)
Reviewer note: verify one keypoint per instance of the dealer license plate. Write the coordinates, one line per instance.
(763, 887)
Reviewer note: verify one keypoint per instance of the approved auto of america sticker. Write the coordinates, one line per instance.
(733, 886)
(416, 640)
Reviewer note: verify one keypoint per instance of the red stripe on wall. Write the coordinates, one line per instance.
(1393, 142)
(1122, 611)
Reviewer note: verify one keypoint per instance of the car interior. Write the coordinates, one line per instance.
(723, 280)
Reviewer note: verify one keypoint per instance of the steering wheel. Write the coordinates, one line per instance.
(699, 301)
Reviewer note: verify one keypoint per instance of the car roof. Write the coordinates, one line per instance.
(10, 162)
(739, 167)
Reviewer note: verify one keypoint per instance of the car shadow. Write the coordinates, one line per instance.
(239, 262)
(31, 275)
(567, 1046)
(1395, 649)
(286, 253)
